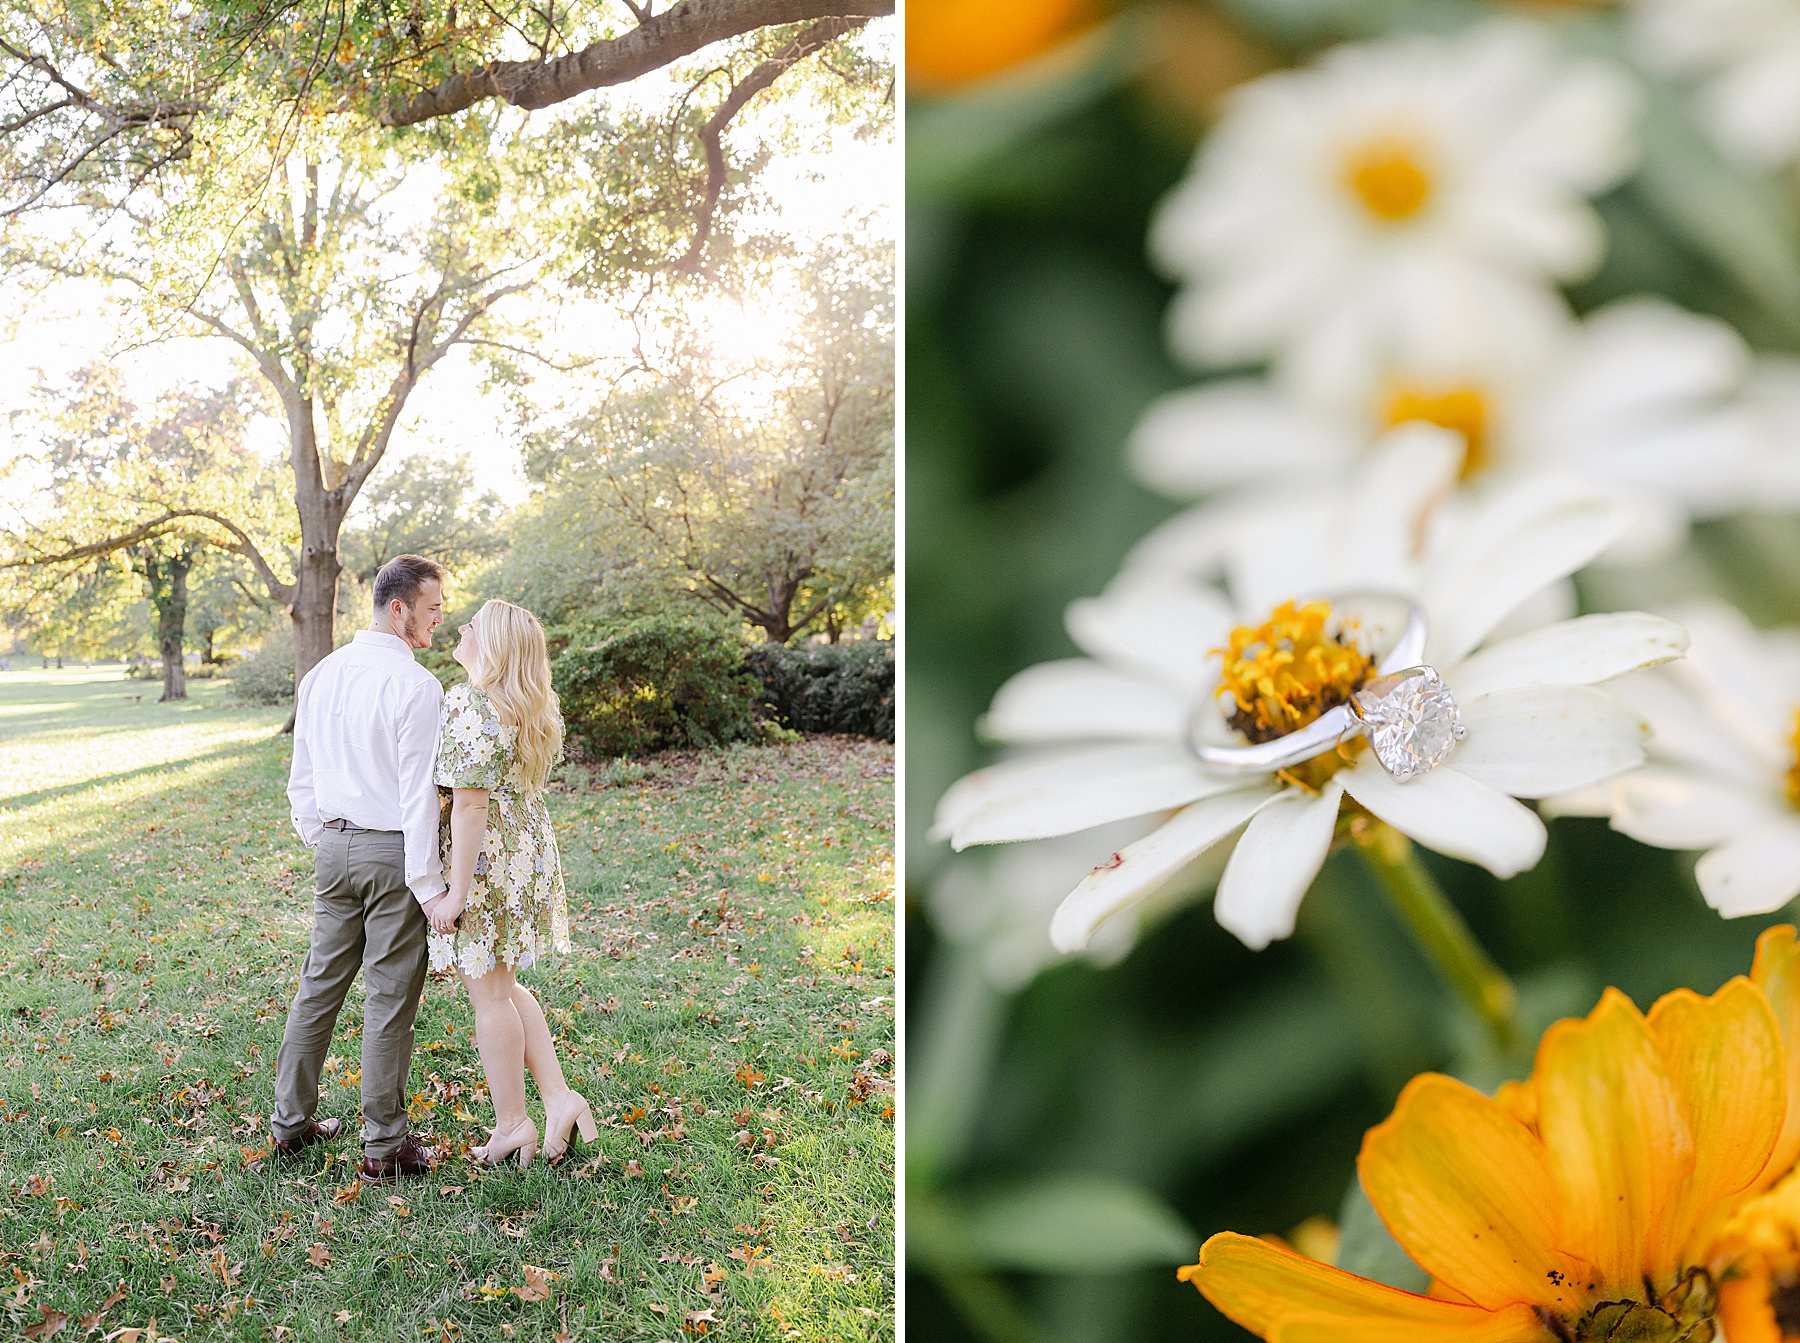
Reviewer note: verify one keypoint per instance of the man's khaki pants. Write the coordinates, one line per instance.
(363, 915)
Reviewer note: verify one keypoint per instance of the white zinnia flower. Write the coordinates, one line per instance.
(1397, 198)
(1723, 774)
(1745, 54)
(1648, 404)
(1534, 727)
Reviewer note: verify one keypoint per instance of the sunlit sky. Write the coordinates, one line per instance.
(848, 185)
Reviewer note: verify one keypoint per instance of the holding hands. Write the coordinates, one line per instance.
(445, 912)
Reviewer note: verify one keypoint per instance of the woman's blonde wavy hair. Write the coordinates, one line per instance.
(512, 666)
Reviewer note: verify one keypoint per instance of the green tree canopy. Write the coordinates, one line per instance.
(765, 492)
(140, 489)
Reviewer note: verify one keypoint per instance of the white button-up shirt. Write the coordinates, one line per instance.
(365, 733)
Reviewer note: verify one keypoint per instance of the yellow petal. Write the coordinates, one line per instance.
(1776, 972)
(1725, 1056)
(1616, 1133)
(1466, 1190)
(1745, 1314)
(1515, 1324)
(1284, 1296)
(1520, 1100)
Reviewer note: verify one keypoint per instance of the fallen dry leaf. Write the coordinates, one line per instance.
(53, 1321)
(698, 1321)
(319, 1256)
(89, 1323)
(349, 1193)
(537, 1284)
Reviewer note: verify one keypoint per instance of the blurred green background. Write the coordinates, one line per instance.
(1071, 1141)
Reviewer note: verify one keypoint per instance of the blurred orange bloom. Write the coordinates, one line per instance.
(950, 43)
(1638, 1186)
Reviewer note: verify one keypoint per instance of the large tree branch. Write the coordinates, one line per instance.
(373, 443)
(160, 526)
(810, 39)
(677, 32)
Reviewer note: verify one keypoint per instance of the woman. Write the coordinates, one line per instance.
(501, 734)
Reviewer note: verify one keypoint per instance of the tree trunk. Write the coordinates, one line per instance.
(314, 613)
(321, 511)
(211, 658)
(168, 577)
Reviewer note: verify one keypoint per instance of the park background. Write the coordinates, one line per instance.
(1078, 1125)
(284, 298)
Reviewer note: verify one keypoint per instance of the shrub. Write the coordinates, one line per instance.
(659, 682)
(267, 675)
(845, 688)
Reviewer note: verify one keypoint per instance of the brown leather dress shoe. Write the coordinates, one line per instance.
(317, 1130)
(407, 1163)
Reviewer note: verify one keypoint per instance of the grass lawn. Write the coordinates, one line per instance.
(728, 1011)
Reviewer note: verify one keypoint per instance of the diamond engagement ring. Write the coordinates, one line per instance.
(1405, 711)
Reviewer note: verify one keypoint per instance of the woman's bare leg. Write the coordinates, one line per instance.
(563, 1108)
(540, 1050)
(500, 1040)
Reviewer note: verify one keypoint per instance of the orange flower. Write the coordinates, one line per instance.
(950, 43)
(1636, 1187)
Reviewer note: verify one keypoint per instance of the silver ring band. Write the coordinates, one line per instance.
(1331, 727)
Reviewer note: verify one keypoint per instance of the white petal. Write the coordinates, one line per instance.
(1681, 730)
(1280, 555)
(1450, 812)
(1573, 652)
(1738, 674)
(1474, 587)
(1680, 809)
(1411, 467)
(1041, 769)
(1165, 631)
(1196, 540)
(1538, 740)
(1756, 873)
(1275, 861)
(1075, 699)
(1230, 432)
(1065, 805)
(1594, 800)
(1132, 873)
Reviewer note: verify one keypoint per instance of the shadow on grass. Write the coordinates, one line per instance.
(24, 801)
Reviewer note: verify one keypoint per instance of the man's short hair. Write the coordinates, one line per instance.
(402, 577)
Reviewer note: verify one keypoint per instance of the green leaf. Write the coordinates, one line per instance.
(1366, 1249)
(1075, 1224)
(1736, 220)
(952, 142)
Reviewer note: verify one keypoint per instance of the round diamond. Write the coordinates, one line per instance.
(1411, 721)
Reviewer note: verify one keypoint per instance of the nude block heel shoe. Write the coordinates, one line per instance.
(580, 1118)
(497, 1149)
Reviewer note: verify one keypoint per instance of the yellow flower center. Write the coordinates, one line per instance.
(1389, 178)
(1284, 673)
(1793, 775)
(1463, 409)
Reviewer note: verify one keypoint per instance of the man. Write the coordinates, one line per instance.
(365, 729)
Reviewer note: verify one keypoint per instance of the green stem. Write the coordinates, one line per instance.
(1438, 928)
(986, 1306)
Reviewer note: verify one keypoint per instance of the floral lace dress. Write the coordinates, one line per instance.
(518, 907)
